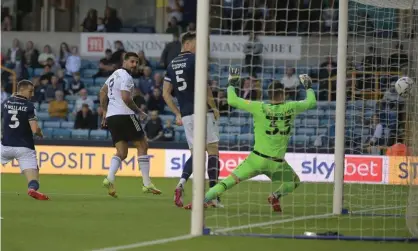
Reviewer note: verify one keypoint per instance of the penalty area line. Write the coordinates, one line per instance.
(147, 243)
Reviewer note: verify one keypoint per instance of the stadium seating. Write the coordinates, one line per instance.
(236, 128)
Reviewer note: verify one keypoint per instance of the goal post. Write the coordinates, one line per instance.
(350, 189)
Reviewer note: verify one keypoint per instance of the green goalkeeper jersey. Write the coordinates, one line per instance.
(272, 122)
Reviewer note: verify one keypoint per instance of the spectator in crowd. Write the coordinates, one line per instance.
(100, 25)
(54, 67)
(168, 131)
(154, 127)
(330, 16)
(377, 139)
(47, 73)
(171, 50)
(61, 79)
(106, 65)
(76, 85)
(255, 17)
(85, 119)
(214, 86)
(158, 82)
(39, 90)
(4, 94)
(175, 9)
(371, 62)
(64, 54)
(83, 99)
(142, 64)
(143, 108)
(191, 27)
(138, 97)
(14, 55)
(7, 24)
(291, 83)
(146, 81)
(173, 27)
(391, 99)
(398, 149)
(253, 50)
(247, 90)
(90, 21)
(327, 76)
(223, 106)
(52, 88)
(58, 108)
(156, 101)
(117, 55)
(73, 63)
(47, 53)
(111, 20)
(31, 55)
(398, 59)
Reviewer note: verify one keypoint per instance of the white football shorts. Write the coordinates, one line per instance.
(26, 157)
(212, 129)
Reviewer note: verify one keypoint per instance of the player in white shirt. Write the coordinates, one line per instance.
(121, 118)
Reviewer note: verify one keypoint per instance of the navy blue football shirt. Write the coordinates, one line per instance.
(180, 73)
(17, 111)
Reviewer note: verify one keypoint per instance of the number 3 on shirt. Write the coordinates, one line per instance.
(14, 119)
(181, 80)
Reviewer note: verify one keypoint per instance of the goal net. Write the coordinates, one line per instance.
(278, 40)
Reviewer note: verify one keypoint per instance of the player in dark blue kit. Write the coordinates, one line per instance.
(19, 125)
(179, 80)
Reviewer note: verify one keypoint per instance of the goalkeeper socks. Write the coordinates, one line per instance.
(220, 188)
(187, 171)
(114, 167)
(143, 162)
(213, 170)
(33, 184)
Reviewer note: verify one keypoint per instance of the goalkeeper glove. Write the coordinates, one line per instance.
(306, 80)
(234, 76)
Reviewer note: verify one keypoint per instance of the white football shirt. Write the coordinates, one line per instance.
(119, 81)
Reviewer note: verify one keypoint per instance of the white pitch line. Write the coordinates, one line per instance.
(147, 243)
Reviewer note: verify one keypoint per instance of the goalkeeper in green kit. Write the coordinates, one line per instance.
(272, 126)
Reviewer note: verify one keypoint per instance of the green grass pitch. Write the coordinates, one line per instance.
(80, 216)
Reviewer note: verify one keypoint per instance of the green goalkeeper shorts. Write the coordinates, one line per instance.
(276, 170)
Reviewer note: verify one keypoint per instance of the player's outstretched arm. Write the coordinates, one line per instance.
(310, 100)
(232, 98)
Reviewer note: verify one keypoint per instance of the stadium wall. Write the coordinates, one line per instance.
(310, 51)
(88, 160)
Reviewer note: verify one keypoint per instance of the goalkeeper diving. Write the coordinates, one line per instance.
(272, 128)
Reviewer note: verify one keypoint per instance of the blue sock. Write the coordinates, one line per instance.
(33, 184)
(213, 170)
(187, 170)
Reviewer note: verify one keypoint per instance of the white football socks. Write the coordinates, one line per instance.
(114, 167)
(143, 162)
(182, 182)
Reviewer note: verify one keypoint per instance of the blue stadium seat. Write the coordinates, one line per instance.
(98, 134)
(177, 136)
(71, 97)
(306, 131)
(166, 117)
(329, 112)
(300, 140)
(311, 122)
(314, 113)
(43, 107)
(297, 121)
(228, 138)
(178, 128)
(85, 64)
(246, 129)
(88, 81)
(93, 89)
(223, 120)
(99, 81)
(93, 97)
(38, 71)
(70, 106)
(61, 134)
(48, 132)
(183, 137)
(322, 131)
(42, 115)
(67, 124)
(238, 121)
(52, 124)
(246, 139)
(40, 124)
(233, 129)
(88, 73)
(80, 134)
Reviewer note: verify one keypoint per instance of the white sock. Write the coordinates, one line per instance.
(182, 182)
(114, 167)
(143, 162)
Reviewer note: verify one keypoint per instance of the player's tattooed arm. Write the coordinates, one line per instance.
(104, 100)
(129, 102)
